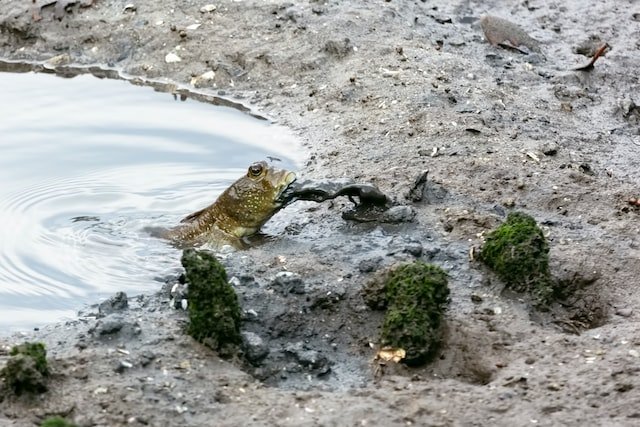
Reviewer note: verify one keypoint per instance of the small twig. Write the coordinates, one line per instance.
(600, 52)
(509, 46)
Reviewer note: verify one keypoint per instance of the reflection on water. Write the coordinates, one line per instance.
(85, 165)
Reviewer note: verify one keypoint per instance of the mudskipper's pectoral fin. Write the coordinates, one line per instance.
(193, 216)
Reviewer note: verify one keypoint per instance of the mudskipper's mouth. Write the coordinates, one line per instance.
(285, 194)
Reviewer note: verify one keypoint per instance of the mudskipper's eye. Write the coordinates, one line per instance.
(255, 169)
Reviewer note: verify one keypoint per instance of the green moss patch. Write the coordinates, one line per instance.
(56, 422)
(415, 295)
(26, 370)
(214, 312)
(518, 253)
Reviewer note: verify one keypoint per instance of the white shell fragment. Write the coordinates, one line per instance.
(62, 59)
(390, 73)
(202, 79)
(193, 26)
(208, 8)
(533, 156)
(101, 390)
(171, 58)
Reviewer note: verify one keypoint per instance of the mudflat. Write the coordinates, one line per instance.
(379, 92)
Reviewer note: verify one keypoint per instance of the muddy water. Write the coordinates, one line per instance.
(85, 165)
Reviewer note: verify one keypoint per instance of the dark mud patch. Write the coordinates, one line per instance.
(581, 303)
(302, 330)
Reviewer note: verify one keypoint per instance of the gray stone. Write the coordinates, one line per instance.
(398, 214)
(624, 312)
(369, 265)
(254, 347)
(115, 324)
(122, 366)
(109, 325)
(115, 303)
(310, 359)
(413, 248)
(146, 357)
(289, 282)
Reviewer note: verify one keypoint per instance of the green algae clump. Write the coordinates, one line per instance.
(26, 370)
(415, 294)
(518, 253)
(214, 312)
(56, 422)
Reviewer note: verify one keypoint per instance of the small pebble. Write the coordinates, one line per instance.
(398, 214)
(414, 248)
(118, 302)
(289, 282)
(369, 265)
(254, 347)
(509, 202)
(549, 149)
(624, 312)
(208, 8)
(171, 58)
(101, 390)
(122, 366)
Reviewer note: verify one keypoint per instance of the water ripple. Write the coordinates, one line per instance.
(80, 185)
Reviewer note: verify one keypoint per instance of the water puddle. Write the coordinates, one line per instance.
(86, 164)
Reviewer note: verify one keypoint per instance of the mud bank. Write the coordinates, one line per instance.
(379, 92)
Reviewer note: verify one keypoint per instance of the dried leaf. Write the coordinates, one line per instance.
(500, 32)
(390, 354)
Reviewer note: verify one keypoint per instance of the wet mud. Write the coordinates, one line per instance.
(381, 93)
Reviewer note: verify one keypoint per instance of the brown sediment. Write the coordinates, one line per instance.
(501, 32)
